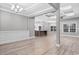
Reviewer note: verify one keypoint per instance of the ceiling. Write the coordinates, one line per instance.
(29, 9)
(69, 10)
(47, 18)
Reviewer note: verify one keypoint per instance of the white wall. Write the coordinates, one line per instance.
(15, 27)
(31, 22)
(44, 22)
(69, 22)
(12, 22)
(12, 36)
(44, 26)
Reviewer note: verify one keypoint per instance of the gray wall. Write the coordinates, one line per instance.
(9, 21)
(69, 22)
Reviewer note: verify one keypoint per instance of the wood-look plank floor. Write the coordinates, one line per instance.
(44, 45)
(68, 46)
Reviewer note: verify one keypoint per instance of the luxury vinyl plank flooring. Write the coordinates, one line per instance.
(44, 45)
(69, 46)
(38, 45)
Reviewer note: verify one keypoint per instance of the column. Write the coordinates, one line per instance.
(58, 26)
(57, 7)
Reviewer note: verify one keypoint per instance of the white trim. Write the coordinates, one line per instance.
(40, 11)
(31, 37)
(14, 41)
(70, 35)
(69, 27)
(19, 40)
(11, 12)
(31, 6)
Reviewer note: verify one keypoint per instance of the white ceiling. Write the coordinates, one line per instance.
(29, 9)
(45, 18)
(66, 8)
(35, 9)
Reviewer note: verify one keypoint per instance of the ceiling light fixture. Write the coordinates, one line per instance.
(16, 8)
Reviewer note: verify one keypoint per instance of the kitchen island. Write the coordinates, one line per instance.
(40, 33)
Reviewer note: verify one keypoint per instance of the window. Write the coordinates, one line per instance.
(65, 27)
(53, 28)
(39, 28)
(73, 28)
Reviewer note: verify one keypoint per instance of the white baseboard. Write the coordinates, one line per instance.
(32, 37)
(28, 38)
(70, 36)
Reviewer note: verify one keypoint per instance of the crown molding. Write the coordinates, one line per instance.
(12, 12)
(40, 11)
(30, 15)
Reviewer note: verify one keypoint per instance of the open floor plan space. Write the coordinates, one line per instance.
(39, 28)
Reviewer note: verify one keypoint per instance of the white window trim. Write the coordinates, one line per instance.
(69, 28)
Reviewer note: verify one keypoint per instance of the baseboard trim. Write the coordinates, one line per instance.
(18, 40)
(31, 37)
(70, 36)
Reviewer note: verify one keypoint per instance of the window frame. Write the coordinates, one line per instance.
(64, 28)
(73, 29)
